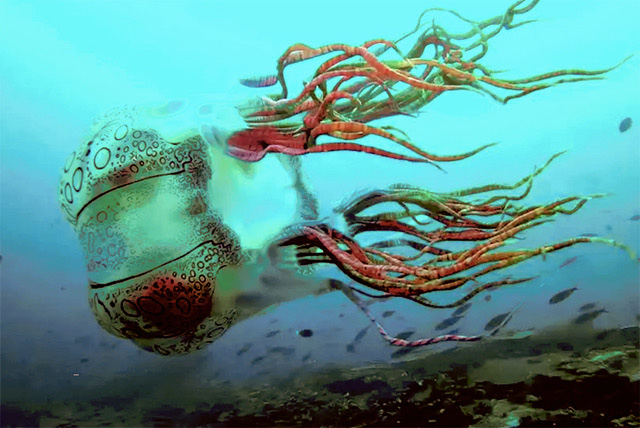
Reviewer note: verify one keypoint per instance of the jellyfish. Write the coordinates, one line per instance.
(155, 204)
(178, 223)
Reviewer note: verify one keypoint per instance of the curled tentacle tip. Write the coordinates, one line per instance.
(599, 195)
(520, 24)
(627, 59)
(632, 254)
(438, 166)
(486, 146)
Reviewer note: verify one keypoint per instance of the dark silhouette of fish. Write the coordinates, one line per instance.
(305, 333)
(589, 316)
(587, 306)
(256, 360)
(259, 81)
(306, 357)
(405, 334)
(609, 228)
(402, 351)
(272, 333)
(499, 321)
(362, 333)
(496, 321)
(387, 314)
(447, 323)
(244, 349)
(635, 218)
(569, 261)
(564, 294)
(487, 298)
(282, 350)
(625, 124)
(461, 310)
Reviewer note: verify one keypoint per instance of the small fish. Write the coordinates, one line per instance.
(609, 228)
(402, 351)
(305, 333)
(587, 306)
(362, 333)
(447, 323)
(487, 298)
(461, 310)
(350, 348)
(569, 261)
(256, 360)
(454, 331)
(590, 235)
(496, 321)
(272, 333)
(635, 218)
(259, 81)
(387, 314)
(499, 321)
(405, 334)
(625, 124)
(586, 317)
(306, 357)
(244, 349)
(564, 294)
(285, 351)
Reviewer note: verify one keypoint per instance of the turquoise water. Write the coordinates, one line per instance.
(62, 63)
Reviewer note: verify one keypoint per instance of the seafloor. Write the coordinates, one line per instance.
(525, 380)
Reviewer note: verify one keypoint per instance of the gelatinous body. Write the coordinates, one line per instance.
(141, 204)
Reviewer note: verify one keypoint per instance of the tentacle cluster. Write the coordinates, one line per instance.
(428, 223)
(359, 84)
(444, 241)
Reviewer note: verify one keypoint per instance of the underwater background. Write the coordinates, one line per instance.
(62, 63)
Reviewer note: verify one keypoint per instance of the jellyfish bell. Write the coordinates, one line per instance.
(171, 228)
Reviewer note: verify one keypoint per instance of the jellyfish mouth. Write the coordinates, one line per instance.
(244, 155)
